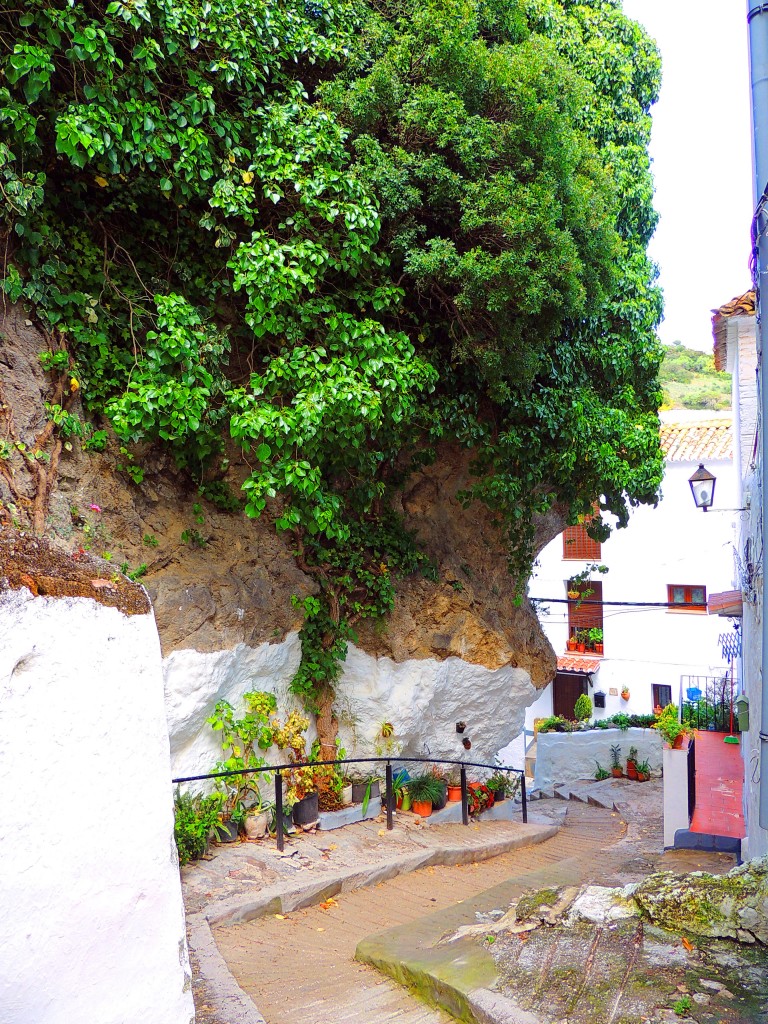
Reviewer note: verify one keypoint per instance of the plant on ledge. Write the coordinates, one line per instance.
(583, 709)
(668, 725)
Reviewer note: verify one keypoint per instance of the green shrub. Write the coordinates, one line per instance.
(196, 819)
(583, 709)
(555, 723)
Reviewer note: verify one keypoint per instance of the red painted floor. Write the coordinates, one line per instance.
(719, 780)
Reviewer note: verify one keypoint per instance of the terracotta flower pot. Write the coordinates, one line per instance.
(581, 648)
(571, 644)
(454, 793)
(422, 807)
(617, 773)
(598, 648)
(678, 741)
(631, 770)
(625, 694)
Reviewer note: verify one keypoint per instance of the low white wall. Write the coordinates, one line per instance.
(92, 927)
(675, 793)
(423, 699)
(566, 757)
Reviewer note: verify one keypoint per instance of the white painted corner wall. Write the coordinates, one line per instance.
(92, 928)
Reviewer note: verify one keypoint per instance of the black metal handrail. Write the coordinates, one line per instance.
(278, 769)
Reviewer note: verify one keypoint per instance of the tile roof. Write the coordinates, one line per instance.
(697, 440)
(742, 305)
(728, 602)
(577, 663)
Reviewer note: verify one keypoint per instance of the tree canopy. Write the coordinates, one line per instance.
(341, 231)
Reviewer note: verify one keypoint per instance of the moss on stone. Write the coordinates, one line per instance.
(531, 902)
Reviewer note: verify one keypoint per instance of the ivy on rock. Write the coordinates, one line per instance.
(342, 232)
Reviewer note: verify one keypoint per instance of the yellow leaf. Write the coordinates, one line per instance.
(231, 158)
(332, 846)
(247, 177)
(321, 929)
(101, 182)
(280, 917)
(74, 384)
(688, 945)
(382, 831)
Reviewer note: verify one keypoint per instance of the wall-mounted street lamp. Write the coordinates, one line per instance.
(702, 487)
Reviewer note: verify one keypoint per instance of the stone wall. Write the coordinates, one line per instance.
(92, 927)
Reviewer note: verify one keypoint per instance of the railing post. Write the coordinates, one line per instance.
(390, 796)
(279, 810)
(522, 794)
(464, 804)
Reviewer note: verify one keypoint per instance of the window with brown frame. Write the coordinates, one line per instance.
(687, 596)
(578, 544)
(586, 612)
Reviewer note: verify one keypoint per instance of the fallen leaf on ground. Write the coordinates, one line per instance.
(330, 902)
(280, 917)
(688, 945)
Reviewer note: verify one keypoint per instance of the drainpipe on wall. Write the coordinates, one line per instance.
(757, 20)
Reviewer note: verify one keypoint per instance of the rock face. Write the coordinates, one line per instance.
(221, 584)
(733, 906)
(422, 699)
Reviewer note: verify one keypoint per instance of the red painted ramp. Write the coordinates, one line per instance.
(719, 783)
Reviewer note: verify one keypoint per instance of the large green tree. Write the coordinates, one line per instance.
(341, 231)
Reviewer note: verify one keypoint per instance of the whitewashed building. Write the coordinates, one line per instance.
(733, 328)
(652, 604)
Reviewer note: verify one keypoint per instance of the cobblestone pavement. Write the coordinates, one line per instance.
(298, 965)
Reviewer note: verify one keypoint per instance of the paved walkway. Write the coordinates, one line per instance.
(297, 964)
(719, 781)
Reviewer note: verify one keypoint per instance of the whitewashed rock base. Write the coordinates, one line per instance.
(92, 928)
(422, 699)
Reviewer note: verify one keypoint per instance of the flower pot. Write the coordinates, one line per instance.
(641, 777)
(422, 807)
(454, 793)
(571, 644)
(617, 773)
(230, 832)
(359, 788)
(598, 648)
(306, 810)
(631, 770)
(256, 826)
(625, 694)
(581, 648)
(499, 795)
(346, 795)
(442, 800)
(678, 741)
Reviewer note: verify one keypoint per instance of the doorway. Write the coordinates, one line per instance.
(567, 688)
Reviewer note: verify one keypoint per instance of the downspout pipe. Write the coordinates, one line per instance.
(757, 20)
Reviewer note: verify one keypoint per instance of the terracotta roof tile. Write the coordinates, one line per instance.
(697, 441)
(577, 663)
(742, 305)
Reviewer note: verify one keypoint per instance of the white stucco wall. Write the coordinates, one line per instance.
(92, 927)
(423, 699)
(674, 543)
(567, 757)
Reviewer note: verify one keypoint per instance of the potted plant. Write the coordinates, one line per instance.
(502, 785)
(424, 789)
(582, 636)
(625, 693)
(256, 822)
(669, 726)
(454, 785)
(596, 639)
(442, 800)
(632, 763)
(616, 769)
(643, 771)
(479, 798)
(364, 788)
(601, 772)
(572, 642)
(400, 790)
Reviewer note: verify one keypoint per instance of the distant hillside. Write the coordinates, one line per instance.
(690, 381)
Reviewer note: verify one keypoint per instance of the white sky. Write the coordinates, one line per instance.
(701, 149)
